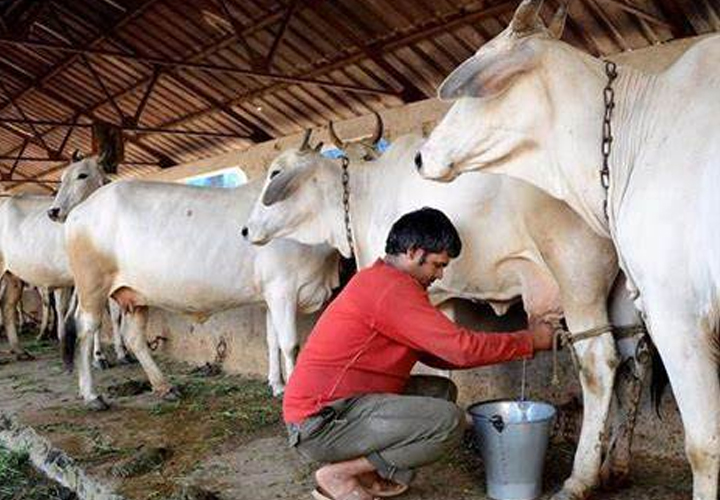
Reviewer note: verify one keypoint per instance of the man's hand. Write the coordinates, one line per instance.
(542, 335)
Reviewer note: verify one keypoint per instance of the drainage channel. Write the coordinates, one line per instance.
(52, 462)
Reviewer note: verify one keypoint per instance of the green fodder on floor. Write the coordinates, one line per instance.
(20, 481)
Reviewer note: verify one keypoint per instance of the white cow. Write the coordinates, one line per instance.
(32, 250)
(531, 106)
(177, 247)
(517, 243)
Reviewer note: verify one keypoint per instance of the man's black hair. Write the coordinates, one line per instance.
(428, 229)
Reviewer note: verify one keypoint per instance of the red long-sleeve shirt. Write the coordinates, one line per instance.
(372, 334)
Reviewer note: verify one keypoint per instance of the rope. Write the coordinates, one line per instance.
(564, 338)
(629, 331)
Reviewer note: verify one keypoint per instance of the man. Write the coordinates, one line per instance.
(351, 401)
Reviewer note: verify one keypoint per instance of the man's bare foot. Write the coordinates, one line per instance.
(340, 482)
(381, 487)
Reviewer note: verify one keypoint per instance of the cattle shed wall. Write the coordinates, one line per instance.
(243, 329)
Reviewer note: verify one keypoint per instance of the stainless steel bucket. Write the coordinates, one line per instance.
(513, 438)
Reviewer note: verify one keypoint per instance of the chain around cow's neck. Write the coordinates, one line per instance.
(607, 138)
(346, 203)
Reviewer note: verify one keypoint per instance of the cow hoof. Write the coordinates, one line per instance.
(101, 364)
(24, 356)
(567, 494)
(277, 390)
(98, 404)
(172, 394)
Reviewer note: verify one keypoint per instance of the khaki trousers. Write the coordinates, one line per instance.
(396, 433)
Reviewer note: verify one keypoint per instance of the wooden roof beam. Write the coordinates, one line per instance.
(180, 64)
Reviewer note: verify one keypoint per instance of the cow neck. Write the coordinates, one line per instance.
(635, 113)
(360, 189)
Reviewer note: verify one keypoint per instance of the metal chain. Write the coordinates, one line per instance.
(607, 138)
(346, 203)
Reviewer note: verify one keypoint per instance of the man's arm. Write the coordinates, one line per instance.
(405, 314)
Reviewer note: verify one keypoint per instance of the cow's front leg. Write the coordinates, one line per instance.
(598, 361)
(282, 308)
(275, 380)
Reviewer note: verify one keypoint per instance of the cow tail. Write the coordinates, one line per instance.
(69, 341)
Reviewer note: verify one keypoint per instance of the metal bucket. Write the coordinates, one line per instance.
(513, 438)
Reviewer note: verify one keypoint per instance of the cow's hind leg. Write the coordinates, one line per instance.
(135, 325)
(689, 360)
(46, 316)
(10, 300)
(121, 353)
(65, 300)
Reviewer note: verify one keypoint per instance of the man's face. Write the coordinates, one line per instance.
(426, 267)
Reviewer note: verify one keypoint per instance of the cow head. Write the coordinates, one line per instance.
(364, 149)
(502, 105)
(301, 200)
(84, 176)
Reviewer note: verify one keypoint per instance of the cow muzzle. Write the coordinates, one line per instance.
(54, 214)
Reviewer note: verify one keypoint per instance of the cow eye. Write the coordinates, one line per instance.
(275, 173)
(82, 176)
(368, 157)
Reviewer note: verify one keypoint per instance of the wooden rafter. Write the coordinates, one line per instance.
(267, 63)
(212, 68)
(146, 96)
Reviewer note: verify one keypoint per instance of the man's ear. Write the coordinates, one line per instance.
(415, 253)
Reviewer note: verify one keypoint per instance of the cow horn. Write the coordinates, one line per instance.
(77, 156)
(526, 16)
(334, 137)
(379, 127)
(318, 147)
(306, 140)
(557, 26)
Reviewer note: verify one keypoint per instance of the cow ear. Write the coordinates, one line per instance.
(487, 75)
(77, 156)
(281, 186)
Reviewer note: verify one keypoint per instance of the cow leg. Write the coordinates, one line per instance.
(46, 312)
(88, 322)
(275, 379)
(100, 361)
(692, 369)
(63, 299)
(13, 293)
(282, 309)
(629, 383)
(135, 326)
(121, 353)
(598, 361)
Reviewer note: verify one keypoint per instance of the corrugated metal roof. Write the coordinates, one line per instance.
(385, 53)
